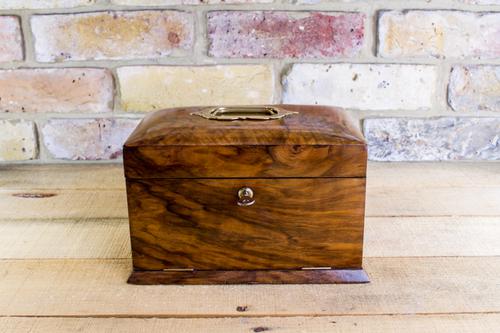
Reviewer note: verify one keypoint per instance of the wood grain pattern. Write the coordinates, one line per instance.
(183, 175)
(312, 125)
(426, 293)
(65, 238)
(316, 142)
(408, 323)
(393, 190)
(397, 286)
(384, 237)
(396, 177)
(323, 276)
(245, 161)
(65, 204)
(294, 223)
(95, 176)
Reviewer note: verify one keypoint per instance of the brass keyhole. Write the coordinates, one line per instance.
(245, 197)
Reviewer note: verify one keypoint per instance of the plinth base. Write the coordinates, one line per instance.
(319, 276)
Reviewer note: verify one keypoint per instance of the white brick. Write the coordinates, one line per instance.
(433, 139)
(17, 140)
(38, 4)
(475, 88)
(440, 34)
(481, 2)
(183, 2)
(361, 86)
(146, 88)
(11, 41)
(87, 139)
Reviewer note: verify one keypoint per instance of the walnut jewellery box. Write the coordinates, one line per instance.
(261, 194)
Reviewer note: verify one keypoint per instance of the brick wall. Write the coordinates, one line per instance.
(422, 76)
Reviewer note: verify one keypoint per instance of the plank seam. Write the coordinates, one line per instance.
(125, 218)
(197, 316)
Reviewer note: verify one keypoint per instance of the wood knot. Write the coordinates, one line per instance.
(34, 195)
(242, 308)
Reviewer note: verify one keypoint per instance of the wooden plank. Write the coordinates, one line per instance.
(86, 203)
(384, 237)
(385, 175)
(97, 191)
(432, 174)
(448, 201)
(398, 286)
(110, 176)
(460, 323)
(64, 239)
(63, 204)
(62, 176)
(432, 236)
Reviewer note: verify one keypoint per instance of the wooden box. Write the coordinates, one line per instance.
(272, 194)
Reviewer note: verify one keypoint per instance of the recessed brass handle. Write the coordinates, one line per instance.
(245, 197)
(243, 113)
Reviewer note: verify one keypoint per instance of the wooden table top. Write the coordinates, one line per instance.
(432, 252)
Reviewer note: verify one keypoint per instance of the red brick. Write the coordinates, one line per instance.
(235, 34)
(56, 90)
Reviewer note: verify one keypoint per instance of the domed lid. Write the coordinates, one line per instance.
(252, 125)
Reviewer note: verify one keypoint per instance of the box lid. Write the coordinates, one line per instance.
(310, 125)
(303, 141)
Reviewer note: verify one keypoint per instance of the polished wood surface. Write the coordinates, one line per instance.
(320, 276)
(312, 125)
(245, 161)
(315, 142)
(308, 173)
(294, 223)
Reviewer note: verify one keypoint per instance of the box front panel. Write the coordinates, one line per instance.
(230, 224)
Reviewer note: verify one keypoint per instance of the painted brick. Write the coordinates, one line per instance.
(17, 140)
(111, 35)
(87, 139)
(475, 88)
(145, 88)
(481, 2)
(440, 34)
(183, 2)
(37, 4)
(434, 139)
(361, 86)
(11, 41)
(56, 90)
(472, 2)
(257, 34)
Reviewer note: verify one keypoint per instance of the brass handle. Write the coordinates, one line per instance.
(245, 197)
(243, 112)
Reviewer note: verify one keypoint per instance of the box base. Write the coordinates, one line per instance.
(313, 276)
